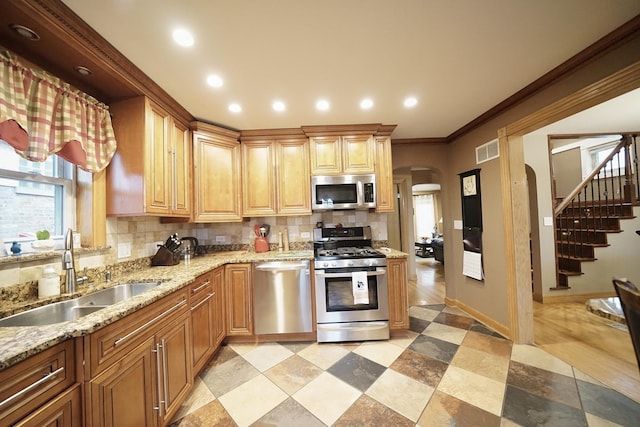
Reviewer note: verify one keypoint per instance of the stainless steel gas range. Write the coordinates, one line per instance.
(351, 286)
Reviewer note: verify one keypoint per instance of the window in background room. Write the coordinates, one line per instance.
(424, 215)
(34, 196)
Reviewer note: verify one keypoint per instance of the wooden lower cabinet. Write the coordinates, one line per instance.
(206, 299)
(141, 366)
(63, 411)
(239, 299)
(126, 394)
(398, 293)
(176, 378)
(35, 390)
(219, 303)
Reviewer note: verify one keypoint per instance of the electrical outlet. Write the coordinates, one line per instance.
(305, 235)
(124, 250)
(221, 239)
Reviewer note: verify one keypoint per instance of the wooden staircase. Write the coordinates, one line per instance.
(585, 217)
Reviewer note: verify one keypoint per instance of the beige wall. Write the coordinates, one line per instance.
(490, 299)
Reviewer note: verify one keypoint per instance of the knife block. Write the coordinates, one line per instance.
(165, 257)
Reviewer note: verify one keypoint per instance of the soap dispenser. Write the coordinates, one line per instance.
(49, 283)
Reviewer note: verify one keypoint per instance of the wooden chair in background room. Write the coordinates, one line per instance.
(630, 301)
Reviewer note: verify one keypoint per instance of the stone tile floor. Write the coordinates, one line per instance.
(448, 370)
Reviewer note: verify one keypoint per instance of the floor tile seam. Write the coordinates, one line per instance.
(360, 394)
(503, 384)
(258, 369)
(557, 402)
(398, 413)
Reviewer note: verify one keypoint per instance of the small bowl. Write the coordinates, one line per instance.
(43, 245)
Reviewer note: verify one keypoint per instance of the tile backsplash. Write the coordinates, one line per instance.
(136, 237)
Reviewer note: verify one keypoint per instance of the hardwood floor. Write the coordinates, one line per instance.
(429, 287)
(567, 331)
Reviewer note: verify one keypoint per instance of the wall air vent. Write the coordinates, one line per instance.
(487, 151)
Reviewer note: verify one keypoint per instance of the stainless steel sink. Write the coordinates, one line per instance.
(115, 294)
(76, 308)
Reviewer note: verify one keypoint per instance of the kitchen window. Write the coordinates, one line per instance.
(34, 196)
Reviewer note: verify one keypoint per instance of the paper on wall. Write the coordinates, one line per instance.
(472, 265)
(360, 286)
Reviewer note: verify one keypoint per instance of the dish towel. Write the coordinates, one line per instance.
(360, 286)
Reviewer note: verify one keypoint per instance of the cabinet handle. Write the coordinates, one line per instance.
(159, 389)
(44, 379)
(203, 301)
(204, 285)
(149, 323)
(164, 375)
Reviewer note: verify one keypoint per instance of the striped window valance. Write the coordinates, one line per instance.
(41, 115)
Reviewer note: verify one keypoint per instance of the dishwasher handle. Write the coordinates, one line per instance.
(281, 266)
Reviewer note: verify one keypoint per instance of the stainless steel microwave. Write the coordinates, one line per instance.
(330, 192)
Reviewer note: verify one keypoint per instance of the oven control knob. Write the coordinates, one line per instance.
(325, 264)
(351, 263)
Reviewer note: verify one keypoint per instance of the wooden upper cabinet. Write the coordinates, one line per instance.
(217, 165)
(294, 177)
(182, 165)
(333, 155)
(326, 155)
(384, 175)
(276, 177)
(357, 154)
(259, 178)
(149, 174)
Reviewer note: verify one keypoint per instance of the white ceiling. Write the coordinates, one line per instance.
(459, 58)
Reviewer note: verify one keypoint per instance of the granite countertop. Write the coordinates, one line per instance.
(18, 343)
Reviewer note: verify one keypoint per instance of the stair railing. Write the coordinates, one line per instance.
(604, 193)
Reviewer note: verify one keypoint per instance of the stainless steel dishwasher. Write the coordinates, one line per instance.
(282, 297)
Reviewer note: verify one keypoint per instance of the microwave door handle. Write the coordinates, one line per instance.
(360, 190)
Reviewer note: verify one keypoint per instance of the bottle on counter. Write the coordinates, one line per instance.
(49, 283)
(286, 239)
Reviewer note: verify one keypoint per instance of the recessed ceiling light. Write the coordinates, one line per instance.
(322, 105)
(279, 106)
(183, 37)
(366, 103)
(214, 80)
(235, 108)
(82, 70)
(410, 102)
(25, 32)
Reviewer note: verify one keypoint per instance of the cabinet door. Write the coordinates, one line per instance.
(201, 299)
(357, 154)
(294, 182)
(176, 379)
(259, 178)
(384, 176)
(33, 382)
(326, 155)
(181, 170)
(219, 307)
(127, 392)
(217, 179)
(398, 296)
(158, 172)
(239, 299)
(63, 411)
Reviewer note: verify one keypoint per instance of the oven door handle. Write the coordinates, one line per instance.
(339, 275)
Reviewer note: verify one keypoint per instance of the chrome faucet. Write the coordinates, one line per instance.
(68, 264)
